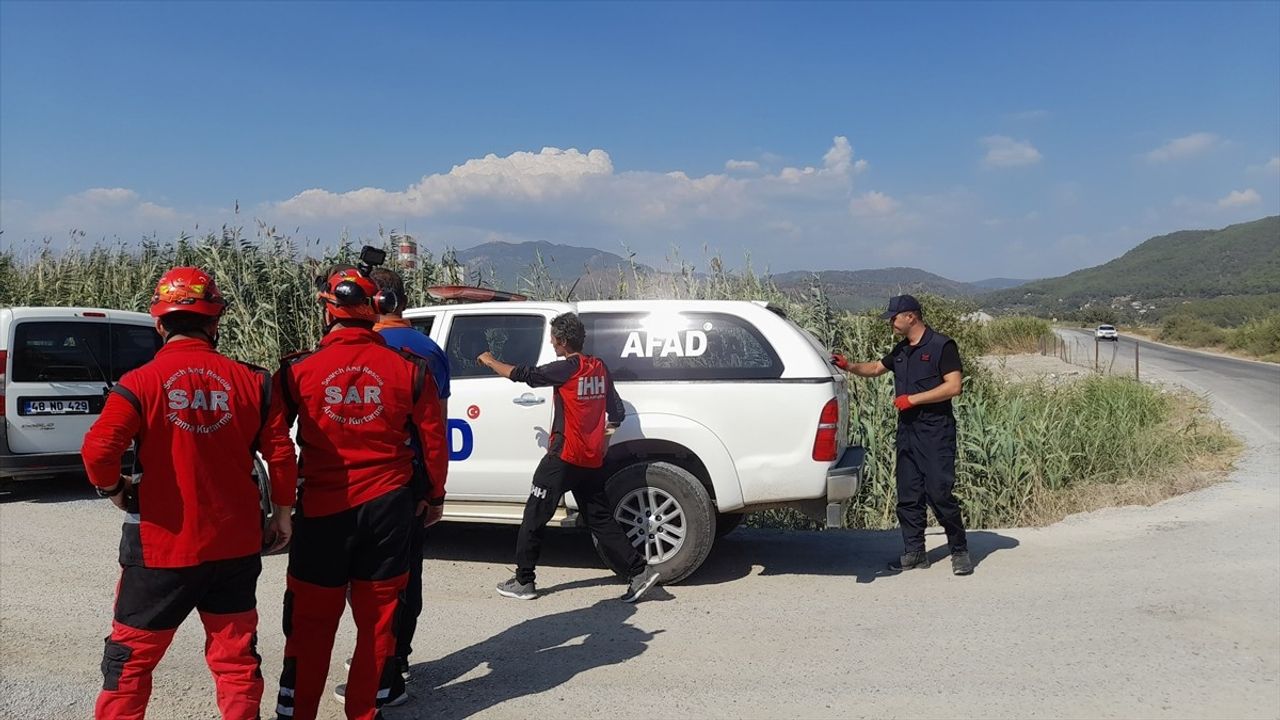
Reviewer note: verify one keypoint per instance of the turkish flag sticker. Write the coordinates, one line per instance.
(473, 412)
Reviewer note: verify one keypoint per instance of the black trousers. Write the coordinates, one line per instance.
(553, 478)
(411, 605)
(926, 475)
(362, 551)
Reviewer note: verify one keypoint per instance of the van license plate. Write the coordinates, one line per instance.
(56, 407)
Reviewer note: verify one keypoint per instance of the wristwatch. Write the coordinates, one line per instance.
(111, 493)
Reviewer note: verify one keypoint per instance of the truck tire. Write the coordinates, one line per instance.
(727, 522)
(667, 514)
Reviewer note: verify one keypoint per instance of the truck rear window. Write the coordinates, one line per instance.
(680, 346)
(79, 351)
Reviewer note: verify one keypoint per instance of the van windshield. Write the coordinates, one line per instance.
(73, 351)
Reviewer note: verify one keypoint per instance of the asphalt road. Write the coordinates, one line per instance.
(1245, 392)
(1166, 611)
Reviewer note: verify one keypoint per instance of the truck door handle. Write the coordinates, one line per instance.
(528, 399)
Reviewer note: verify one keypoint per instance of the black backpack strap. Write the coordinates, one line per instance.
(422, 369)
(128, 395)
(131, 500)
(264, 409)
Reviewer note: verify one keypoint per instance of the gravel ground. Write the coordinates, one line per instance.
(1033, 366)
(1165, 611)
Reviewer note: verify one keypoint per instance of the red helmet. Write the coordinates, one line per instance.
(348, 294)
(187, 289)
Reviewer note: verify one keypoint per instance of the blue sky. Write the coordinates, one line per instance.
(971, 140)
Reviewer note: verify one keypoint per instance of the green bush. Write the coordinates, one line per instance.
(1018, 334)
(1259, 337)
(1191, 331)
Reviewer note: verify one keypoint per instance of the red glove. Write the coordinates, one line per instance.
(840, 361)
(903, 402)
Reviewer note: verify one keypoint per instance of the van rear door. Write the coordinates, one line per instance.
(62, 364)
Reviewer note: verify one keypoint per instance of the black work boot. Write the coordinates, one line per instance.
(911, 561)
(961, 564)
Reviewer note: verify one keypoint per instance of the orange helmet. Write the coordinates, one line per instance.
(187, 289)
(348, 294)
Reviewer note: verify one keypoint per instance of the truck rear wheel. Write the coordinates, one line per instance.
(666, 513)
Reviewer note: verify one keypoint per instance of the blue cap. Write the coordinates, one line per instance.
(900, 304)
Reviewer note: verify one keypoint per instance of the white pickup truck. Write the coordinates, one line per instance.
(731, 407)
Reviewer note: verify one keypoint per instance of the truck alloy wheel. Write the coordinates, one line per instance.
(666, 513)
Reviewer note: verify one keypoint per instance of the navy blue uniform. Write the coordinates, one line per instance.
(926, 442)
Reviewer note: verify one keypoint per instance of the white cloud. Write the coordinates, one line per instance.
(873, 204)
(540, 182)
(519, 176)
(1240, 198)
(837, 162)
(742, 166)
(1184, 147)
(1003, 152)
(840, 157)
(103, 197)
(1273, 165)
(152, 211)
(104, 211)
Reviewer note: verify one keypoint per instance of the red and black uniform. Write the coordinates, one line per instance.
(357, 402)
(585, 400)
(193, 533)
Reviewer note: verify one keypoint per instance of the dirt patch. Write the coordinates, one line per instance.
(1032, 367)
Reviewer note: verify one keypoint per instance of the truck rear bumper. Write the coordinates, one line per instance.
(843, 480)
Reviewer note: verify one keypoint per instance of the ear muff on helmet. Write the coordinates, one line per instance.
(348, 293)
(386, 301)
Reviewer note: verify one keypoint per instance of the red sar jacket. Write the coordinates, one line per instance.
(197, 416)
(356, 401)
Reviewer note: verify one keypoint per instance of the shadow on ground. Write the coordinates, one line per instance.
(862, 554)
(535, 656)
(59, 488)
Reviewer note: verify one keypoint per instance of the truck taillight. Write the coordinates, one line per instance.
(4, 358)
(826, 443)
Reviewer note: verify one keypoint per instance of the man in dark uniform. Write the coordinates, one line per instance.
(926, 375)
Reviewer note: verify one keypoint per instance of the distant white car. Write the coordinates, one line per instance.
(1106, 332)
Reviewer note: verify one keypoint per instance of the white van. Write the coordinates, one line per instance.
(731, 407)
(56, 365)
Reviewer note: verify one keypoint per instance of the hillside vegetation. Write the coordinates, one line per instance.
(1166, 274)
